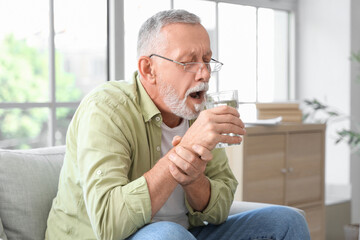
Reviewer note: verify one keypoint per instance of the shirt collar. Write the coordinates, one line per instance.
(148, 108)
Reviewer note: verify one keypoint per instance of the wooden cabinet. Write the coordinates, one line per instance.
(283, 164)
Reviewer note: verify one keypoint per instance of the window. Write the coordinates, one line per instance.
(239, 70)
(253, 42)
(257, 63)
(51, 56)
(135, 13)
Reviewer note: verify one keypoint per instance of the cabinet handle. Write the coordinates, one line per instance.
(284, 170)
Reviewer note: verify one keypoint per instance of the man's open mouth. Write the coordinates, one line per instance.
(196, 95)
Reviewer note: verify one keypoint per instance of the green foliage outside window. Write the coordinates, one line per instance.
(24, 77)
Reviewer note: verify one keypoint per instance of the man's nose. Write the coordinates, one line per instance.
(203, 73)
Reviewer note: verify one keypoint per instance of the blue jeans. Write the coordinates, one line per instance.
(275, 222)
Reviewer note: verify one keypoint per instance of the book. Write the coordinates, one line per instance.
(285, 118)
(280, 111)
(277, 105)
(272, 121)
(289, 111)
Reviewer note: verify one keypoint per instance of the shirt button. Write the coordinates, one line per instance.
(158, 148)
(98, 172)
(157, 119)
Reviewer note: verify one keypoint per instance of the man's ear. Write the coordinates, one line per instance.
(146, 69)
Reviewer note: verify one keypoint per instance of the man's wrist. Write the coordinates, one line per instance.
(198, 193)
(199, 182)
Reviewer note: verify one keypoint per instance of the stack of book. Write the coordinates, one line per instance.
(289, 111)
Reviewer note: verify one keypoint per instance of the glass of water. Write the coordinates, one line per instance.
(229, 98)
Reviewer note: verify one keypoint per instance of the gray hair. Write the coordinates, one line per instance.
(149, 31)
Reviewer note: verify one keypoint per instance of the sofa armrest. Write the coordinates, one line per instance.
(2, 232)
(28, 184)
(240, 206)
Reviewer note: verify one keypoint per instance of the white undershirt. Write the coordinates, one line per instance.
(174, 209)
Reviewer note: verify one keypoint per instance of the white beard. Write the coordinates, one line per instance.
(178, 106)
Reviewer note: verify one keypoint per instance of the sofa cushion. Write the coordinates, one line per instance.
(28, 184)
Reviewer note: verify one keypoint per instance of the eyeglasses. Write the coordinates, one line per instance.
(194, 67)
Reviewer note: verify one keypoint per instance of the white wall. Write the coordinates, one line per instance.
(323, 40)
(355, 109)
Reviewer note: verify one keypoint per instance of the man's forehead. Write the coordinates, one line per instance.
(188, 54)
(194, 53)
(193, 44)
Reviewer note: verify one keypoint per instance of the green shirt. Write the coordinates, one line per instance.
(113, 139)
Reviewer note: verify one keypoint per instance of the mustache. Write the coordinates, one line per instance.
(203, 86)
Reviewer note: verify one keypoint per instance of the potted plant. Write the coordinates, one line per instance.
(323, 113)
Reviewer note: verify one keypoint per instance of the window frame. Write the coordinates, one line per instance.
(52, 105)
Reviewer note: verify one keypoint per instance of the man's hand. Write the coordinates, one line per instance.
(176, 140)
(210, 127)
(187, 166)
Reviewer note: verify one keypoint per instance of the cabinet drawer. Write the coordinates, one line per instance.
(304, 180)
(264, 157)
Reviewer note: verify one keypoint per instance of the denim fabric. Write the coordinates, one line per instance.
(275, 222)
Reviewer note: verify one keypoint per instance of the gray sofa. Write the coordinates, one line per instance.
(28, 184)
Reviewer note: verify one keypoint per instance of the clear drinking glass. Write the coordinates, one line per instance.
(229, 98)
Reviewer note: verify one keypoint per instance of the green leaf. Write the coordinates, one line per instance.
(350, 139)
(338, 140)
(305, 116)
(355, 56)
(308, 102)
(333, 114)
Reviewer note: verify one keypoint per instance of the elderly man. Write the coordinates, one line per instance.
(139, 166)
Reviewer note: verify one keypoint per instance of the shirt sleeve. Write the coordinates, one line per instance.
(116, 206)
(223, 185)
